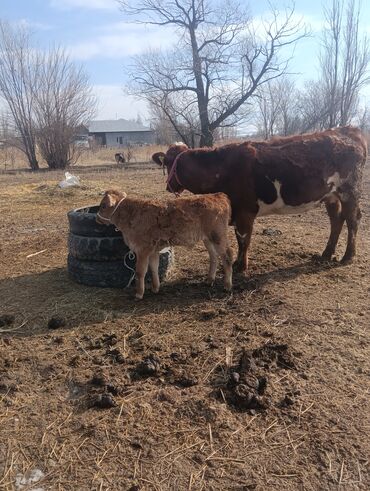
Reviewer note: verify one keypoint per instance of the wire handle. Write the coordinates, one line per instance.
(131, 256)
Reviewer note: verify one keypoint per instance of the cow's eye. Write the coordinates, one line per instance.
(103, 206)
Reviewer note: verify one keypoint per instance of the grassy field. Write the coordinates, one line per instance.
(13, 159)
(302, 327)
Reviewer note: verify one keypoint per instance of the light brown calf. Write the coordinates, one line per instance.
(148, 226)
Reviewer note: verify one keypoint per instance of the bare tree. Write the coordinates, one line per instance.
(63, 103)
(48, 98)
(355, 63)
(363, 116)
(313, 108)
(330, 59)
(159, 123)
(344, 61)
(269, 105)
(219, 60)
(289, 119)
(18, 73)
(278, 108)
(226, 133)
(177, 112)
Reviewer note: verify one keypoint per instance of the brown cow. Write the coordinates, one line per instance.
(150, 225)
(120, 158)
(280, 176)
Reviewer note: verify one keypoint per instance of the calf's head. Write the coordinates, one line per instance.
(109, 205)
(167, 161)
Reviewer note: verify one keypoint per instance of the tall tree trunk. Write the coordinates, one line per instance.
(30, 151)
(206, 138)
(34, 164)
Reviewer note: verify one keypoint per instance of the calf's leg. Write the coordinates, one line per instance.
(217, 245)
(213, 261)
(154, 265)
(243, 229)
(227, 262)
(142, 261)
(334, 209)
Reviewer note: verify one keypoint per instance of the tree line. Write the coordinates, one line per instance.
(334, 97)
(225, 69)
(228, 68)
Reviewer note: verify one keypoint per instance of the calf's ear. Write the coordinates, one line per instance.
(158, 158)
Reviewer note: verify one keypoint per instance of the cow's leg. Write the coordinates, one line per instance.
(243, 229)
(352, 215)
(334, 209)
(154, 265)
(213, 261)
(142, 261)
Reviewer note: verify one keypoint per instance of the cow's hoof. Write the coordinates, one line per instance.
(239, 268)
(346, 260)
(138, 297)
(210, 281)
(326, 256)
(320, 258)
(155, 290)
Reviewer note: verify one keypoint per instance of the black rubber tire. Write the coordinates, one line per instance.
(82, 221)
(97, 248)
(113, 274)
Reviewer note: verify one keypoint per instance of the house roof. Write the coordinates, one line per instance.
(116, 126)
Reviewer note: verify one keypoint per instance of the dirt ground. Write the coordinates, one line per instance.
(192, 389)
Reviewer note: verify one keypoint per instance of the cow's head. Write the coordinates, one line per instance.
(109, 205)
(166, 161)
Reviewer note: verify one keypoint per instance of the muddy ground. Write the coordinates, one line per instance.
(192, 389)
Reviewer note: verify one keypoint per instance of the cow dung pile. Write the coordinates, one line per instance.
(247, 383)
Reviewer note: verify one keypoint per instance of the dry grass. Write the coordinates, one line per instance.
(162, 435)
(13, 159)
(106, 155)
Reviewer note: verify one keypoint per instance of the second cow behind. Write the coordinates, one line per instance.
(148, 226)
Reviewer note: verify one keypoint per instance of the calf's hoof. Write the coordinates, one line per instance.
(138, 296)
(155, 289)
(210, 281)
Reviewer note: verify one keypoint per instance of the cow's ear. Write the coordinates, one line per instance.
(158, 158)
(109, 199)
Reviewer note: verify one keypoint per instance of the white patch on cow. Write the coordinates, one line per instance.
(280, 208)
(242, 236)
(179, 144)
(334, 181)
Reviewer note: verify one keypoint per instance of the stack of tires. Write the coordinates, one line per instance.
(97, 254)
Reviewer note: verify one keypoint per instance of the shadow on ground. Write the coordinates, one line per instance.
(33, 299)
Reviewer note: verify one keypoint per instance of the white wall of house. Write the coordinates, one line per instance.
(134, 137)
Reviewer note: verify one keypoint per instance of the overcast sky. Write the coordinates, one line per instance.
(98, 35)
